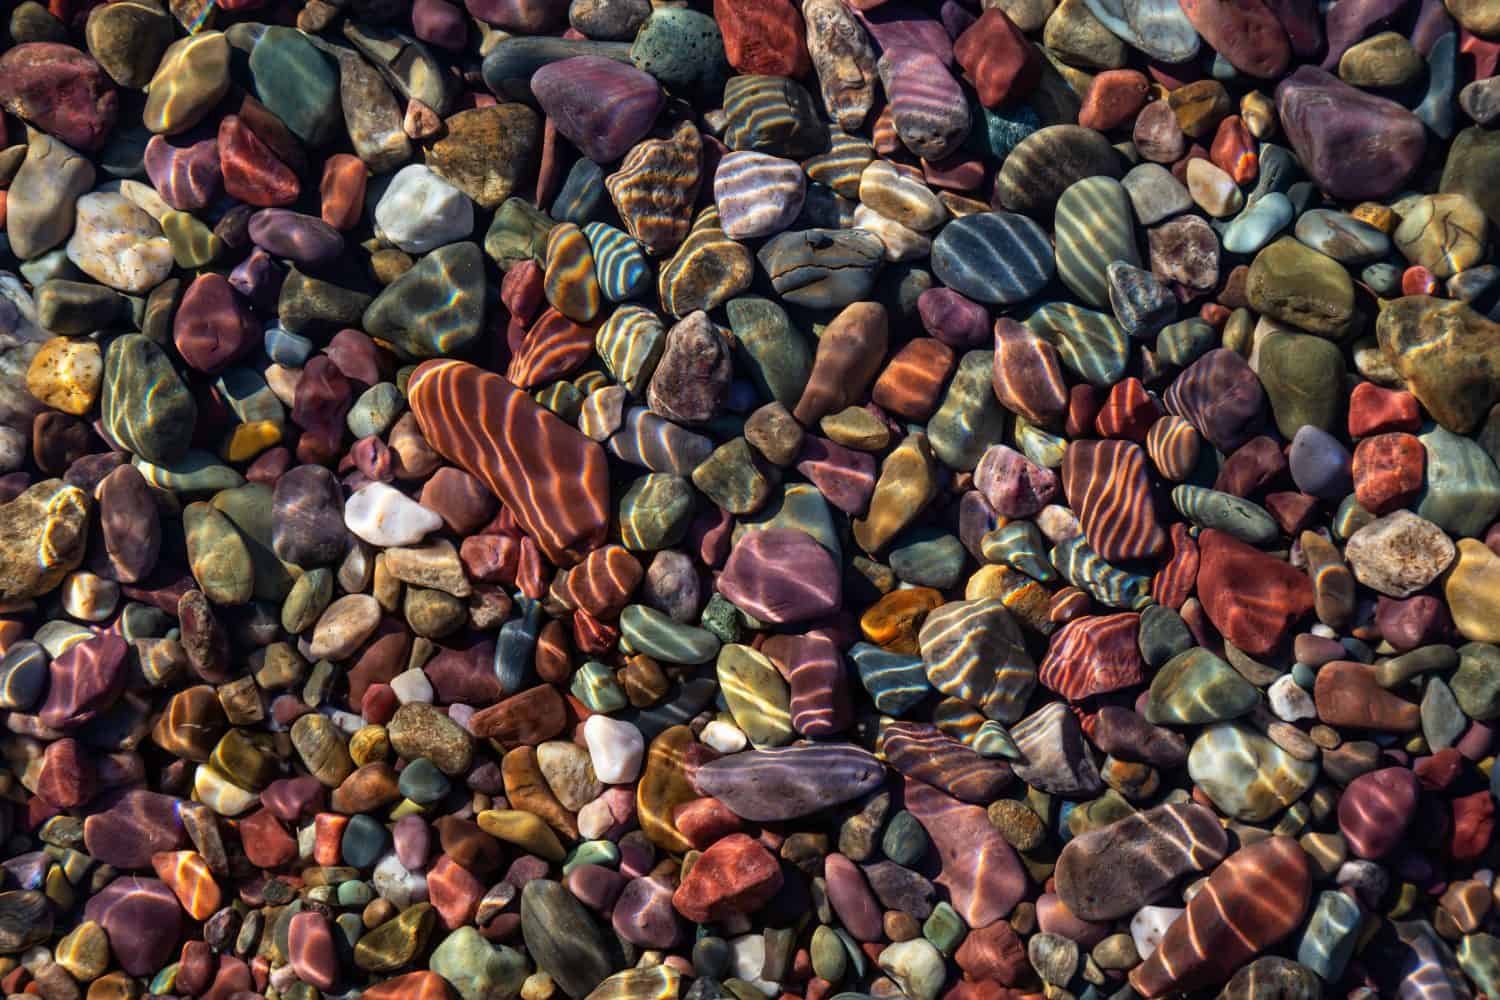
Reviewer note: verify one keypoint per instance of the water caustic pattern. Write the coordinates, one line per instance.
(549, 475)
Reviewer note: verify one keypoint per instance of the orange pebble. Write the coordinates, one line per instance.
(328, 835)
(187, 874)
(343, 190)
(1417, 280)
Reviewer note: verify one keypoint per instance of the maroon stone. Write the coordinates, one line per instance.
(187, 177)
(1375, 810)
(141, 918)
(212, 329)
(86, 680)
(61, 91)
(781, 575)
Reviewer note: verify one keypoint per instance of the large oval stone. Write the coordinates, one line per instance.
(1111, 872)
(1356, 145)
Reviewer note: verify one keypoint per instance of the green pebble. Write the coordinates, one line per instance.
(594, 684)
(376, 410)
(592, 852)
(904, 840)
(945, 928)
(646, 630)
(422, 782)
(655, 512)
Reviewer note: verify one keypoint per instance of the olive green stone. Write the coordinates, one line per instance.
(396, 942)
(217, 555)
(799, 507)
(1384, 60)
(295, 82)
(1244, 519)
(595, 685)
(655, 512)
(970, 418)
(563, 939)
(193, 244)
(1303, 377)
(757, 696)
(769, 349)
(1291, 282)
(731, 477)
(307, 600)
(519, 232)
(1195, 688)
(75, 307)
(127, 39)
(1473, 164)
(830, 960)
(477, 969)
(646, 630)
(144, 405)
(249, 762)
(1245, 774)
(683, 50)
(191, 78)
(309, 303)
(1461, 492)
(1476, 682)
(249, 508)
(945, 928)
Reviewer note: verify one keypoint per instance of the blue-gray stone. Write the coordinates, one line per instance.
(1341, 236)
(996, 257)
(1461, 490)
(516, 648)
(1258, 224)
(897, 682)
(582, 193)
(1331, 933)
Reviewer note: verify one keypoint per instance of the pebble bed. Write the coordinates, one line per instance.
(749, 499)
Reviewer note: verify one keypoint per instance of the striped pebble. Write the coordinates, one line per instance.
(1174, 446)
(928, 108)
(1092, 656)
(757, 194)
(656, 186)
(1027, 375)
(554, 346)
(1107, 484)
(569, 282)
(898, 195)
(843, 165)
(974, 651)
(619, 266)
(630, 343)
(771, 114)
(1095, 226)
(708, 269)
(995, 257)
(1086, 569)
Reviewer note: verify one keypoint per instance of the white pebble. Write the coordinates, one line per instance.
(119, 245)
(1149, 924)
(747, 957)
(595, 818)
(392, 881)
(420, 211)
(615, 747)
(88, 597)
(412, 686)
(385, 517)
(723, 737)
(1290, 700)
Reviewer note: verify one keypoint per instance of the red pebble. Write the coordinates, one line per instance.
(1113, 99)
(1173, 583)
(1253, 598)
(1388, 471)
(1417, 280)
(266, 842)
(703, 821)
(252, 173)
(997, 58)
(1473, 826)
(1234, 150)
(328, 836)
(1128, 412)
(1440, 770)
(1374, 410)
(379, 704)
(68, 777)
(342, 190)
(764, 37)
(454, 892)
(734, 876)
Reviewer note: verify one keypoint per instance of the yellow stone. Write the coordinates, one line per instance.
(1473, 591)
(248, 440)
(115, 986)
(758, 698)
(66, 373)
(1380, 216)
(907, 484)
(194, 245)
(523, 829)
(370, 745)
(856, 427)
(191, 78)
(84, 952)
(663, 787)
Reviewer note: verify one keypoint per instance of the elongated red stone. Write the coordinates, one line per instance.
(1250, 902)
(1108, 485)
(552, 478)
